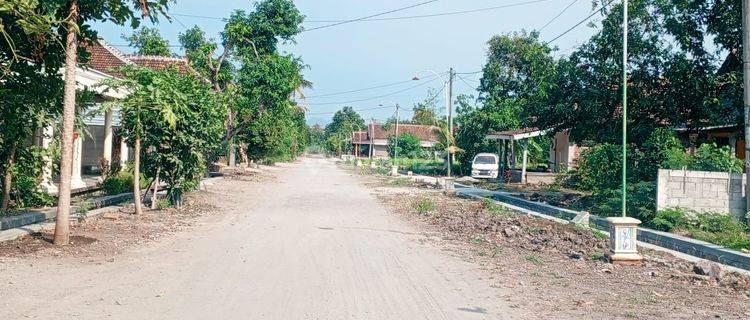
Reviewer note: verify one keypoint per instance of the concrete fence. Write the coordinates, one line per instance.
(721, 192)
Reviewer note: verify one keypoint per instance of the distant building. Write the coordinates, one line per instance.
(376, 136)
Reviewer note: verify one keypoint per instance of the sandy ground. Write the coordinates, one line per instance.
(557, 271)
(314, 244)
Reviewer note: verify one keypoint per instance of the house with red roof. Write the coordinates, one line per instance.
(101, 145)
(376, 137)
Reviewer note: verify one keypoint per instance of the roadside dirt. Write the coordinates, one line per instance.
(557, 271)
(112, 233)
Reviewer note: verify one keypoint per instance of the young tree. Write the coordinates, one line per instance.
(344, 122)
(148, 41)
(77, 14)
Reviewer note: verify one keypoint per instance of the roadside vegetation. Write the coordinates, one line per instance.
(238, 103)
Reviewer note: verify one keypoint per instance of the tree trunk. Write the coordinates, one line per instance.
(155, 189)
(137, 176)
(8, 180)
(230, 142)
(62, 223)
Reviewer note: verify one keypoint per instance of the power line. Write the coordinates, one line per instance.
(365, 89)
(439, 14)
(370, 16)
(580, 22)
(466, 83)
(374, 97)
(357, 110)
(558, 15)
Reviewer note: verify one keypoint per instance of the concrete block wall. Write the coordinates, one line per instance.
(721, 192)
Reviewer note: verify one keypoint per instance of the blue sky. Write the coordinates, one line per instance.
(372, 53)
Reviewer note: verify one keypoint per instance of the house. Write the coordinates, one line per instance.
(375, 138)
(731, 135)
(100, 145)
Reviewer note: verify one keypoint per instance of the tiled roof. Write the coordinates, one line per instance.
(104, 58)
(423, 132)
(160, 62)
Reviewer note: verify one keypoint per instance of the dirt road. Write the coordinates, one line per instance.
(313, 245)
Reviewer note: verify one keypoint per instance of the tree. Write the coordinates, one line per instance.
(148, 41)
(424, 112)
(248, 38)
(76, 16)
(344, 122)
(30, 55)
(405, 145)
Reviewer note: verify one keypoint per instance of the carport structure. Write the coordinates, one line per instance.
(506, 139)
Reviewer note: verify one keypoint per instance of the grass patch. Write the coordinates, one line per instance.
(478, 239)
(424, 206)
(495, 209)
(399, 182)
(598, 256)
(495, 251)
(534, 260)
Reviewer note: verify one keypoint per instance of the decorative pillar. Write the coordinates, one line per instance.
(76, 181)
(47, 184)
(123, 154)
(623, 233)
(108, 137)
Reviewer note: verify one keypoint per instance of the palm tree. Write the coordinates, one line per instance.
(446, 142)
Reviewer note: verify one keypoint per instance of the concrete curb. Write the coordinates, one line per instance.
(15, 233)
(666, 240)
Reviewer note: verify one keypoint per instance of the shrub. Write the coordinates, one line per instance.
(25, 191)
(600, 167)
(709, 157)
(641, 201)
(712, 227)
(117, 183)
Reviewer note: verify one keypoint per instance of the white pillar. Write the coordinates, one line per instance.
(108, 136)
(525, 157)
(47, 184)
(76, 181)
(123, 153)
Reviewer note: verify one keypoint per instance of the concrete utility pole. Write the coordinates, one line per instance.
(395, 149)
(372, 134)
(746, 88)
(449, 104)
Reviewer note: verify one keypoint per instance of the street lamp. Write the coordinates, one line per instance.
(395, 149)
(623, 230)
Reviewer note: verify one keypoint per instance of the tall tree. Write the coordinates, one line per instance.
(344, 122)
(30, 55)
(77, 14)
(148, 41)
(248, 38)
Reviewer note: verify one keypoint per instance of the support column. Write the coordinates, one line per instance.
(108, 137)
(525, 158)
(123, 154)
(47, 184)
(76, 181)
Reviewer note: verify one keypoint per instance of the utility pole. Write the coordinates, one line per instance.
(395, 149)
(449, 105)
(372, 135)
(625, 108)
(746, 87)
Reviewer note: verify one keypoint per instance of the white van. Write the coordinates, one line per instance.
(485, 165)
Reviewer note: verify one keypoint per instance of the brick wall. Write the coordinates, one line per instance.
(702, 191)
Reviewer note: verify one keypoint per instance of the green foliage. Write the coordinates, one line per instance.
(120, 182)
(345, 121)
(709, 157)
(148, 41)
(600, 167)
(25, 191)
(534, 260)
(424, 206)
(641, 202)
(405, 145)
(177, 118)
